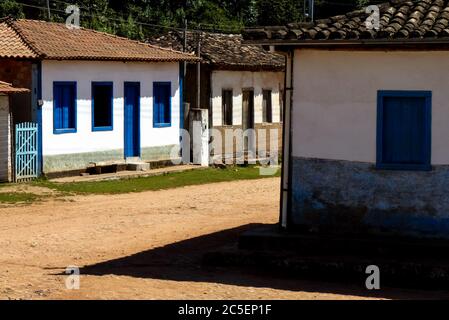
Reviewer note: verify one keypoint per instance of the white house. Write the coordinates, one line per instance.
(96, 97)
(366, 131)
(242, 85)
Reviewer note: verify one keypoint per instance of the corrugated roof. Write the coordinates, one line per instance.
(49, 40)
(224, 50)
(400, 20)
(6, 87)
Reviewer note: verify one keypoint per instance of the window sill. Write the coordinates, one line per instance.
(63, 131)
(161, 125)
(404, 167)
(94, 129)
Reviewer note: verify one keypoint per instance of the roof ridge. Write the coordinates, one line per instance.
(11, 23)
(136, 41)
(390, 3)
(108, 35)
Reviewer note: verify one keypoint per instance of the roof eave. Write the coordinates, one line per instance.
(118, 59)
(343, 43)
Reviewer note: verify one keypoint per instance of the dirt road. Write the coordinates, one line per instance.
(148, 246)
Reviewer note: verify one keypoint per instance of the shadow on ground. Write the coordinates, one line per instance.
(181, 261)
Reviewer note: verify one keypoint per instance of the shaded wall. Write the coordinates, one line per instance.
(335, 186)
(19, 73)
(5, 139)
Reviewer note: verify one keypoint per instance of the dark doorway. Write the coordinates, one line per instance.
(248, 119)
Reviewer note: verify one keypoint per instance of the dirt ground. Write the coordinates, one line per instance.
(148, 246)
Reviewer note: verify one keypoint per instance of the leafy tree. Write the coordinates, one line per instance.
(11, 8)
(278, 12)
(139, 19)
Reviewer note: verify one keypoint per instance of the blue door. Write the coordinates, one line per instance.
(132, 117)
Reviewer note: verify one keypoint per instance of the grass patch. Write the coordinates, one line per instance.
(17, 197)
(167, 181)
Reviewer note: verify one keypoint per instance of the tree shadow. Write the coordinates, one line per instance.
(182, 261)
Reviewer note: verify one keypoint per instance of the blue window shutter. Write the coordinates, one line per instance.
(162, 107)
(404, 130)
(64, 107)
(156, 111)
(66, 98)
(57, 107)
(167, 96)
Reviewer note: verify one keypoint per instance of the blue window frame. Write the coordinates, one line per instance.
(102, 106)
(161, 104)
(64, 107)
(404, 130)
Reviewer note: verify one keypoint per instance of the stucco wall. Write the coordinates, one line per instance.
(5, 140)
(106, 144)
(335, 186)
(239, 80)
(335, 99)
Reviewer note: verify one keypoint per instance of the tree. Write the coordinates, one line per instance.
(11, 8)
(278, 12)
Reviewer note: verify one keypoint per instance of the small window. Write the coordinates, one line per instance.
(64, 107)
(404, 130)
(162, 104)
(267, 107)
(226, 104)
(102, 101)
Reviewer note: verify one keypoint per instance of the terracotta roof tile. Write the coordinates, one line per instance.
(224, 51)
(404, 20)
(12, 45)
(55, 41)
(8, 88)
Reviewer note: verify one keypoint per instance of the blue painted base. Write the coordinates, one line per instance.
(354, 197)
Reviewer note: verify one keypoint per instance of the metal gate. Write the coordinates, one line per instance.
(26, 151)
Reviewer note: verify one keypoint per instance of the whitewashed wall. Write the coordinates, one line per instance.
(84, 72)
(5, 139)
(239, 80)
(335, 99)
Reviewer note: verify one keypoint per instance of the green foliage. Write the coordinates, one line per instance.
(278, 12)
(168, 181)
(11, 8)
(18, 197)
(139, 19)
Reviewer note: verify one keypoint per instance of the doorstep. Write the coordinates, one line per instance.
(123, 175)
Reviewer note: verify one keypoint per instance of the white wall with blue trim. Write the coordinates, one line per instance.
(336, 181)
(105, 143)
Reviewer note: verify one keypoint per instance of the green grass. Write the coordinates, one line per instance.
(168, 181)
(18, 197)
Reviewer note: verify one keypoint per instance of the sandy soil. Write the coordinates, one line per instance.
(148, 246)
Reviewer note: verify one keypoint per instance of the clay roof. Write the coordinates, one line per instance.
(49, 40)
(400, 21)
(8, 88)
(12, 45)
(224, 51)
